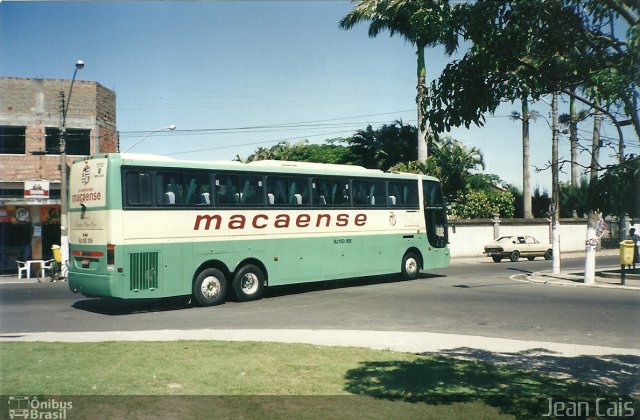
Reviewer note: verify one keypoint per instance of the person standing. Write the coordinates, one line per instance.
(636, 241)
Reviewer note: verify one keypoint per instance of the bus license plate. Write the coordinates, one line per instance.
(85, 263)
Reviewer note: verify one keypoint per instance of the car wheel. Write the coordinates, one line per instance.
(515, 256)
(548, 255)
(531, 258)
(496, 258)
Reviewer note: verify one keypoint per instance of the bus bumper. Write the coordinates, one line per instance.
(93, 285)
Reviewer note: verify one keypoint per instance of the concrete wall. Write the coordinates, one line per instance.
(467, 238)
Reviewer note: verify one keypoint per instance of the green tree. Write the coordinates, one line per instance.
(481, 204)
(453, 162)
(540, 203)
(616, 192)
(574, 199)
(423, 24)
(384, 147)
(304, 152)
(536, 48)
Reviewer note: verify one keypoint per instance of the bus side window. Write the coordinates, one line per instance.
(369, 193)
(170, 188)
(319, 193)
(331, 192)
(410, 191)
(405, 193)
(197, 189)
(276, 190)
(138, 188)
(226, 190)
(252, 193)
(298, 191)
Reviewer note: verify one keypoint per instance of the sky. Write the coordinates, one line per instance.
(235, 76)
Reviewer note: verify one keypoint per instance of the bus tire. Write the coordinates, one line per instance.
(248, 283)
(210, 287)
(410, 268)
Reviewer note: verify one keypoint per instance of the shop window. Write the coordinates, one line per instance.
(12, 140)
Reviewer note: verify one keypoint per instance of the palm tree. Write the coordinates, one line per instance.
(571, 120)
(423, 24)
(452, 162)
(525, 117)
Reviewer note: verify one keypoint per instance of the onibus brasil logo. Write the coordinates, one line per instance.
(22, 407)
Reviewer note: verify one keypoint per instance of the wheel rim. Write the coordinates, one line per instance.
(411, 266)
(210, 287)
(249, 283)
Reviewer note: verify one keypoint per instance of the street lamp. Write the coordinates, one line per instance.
(64, 234)
(170, 128)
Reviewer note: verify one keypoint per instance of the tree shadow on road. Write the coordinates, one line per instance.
(519, 383)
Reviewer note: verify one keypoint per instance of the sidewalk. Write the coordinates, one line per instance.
(607, 277)
(13, 278)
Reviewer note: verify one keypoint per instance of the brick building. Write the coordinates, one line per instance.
(30, 122)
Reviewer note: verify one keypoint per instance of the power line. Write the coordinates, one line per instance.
(302, 124)
(253, 143)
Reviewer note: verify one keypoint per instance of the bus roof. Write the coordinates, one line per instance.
(280, 166)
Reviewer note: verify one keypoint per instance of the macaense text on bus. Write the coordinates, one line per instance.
(278, 221)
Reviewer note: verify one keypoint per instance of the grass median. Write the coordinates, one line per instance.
(274, 380)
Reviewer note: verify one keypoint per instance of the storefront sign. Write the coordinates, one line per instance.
(36, 189)
(14, 214)
(49, 214)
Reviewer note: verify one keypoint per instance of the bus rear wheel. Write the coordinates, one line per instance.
(410, 268)
(248, 283)
(210, 287)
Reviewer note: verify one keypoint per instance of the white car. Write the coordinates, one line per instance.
(514, 247)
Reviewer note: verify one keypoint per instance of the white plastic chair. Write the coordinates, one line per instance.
(23, 267)
(46, 266)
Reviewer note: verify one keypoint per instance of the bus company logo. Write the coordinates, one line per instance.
(23, 407)
(278, 221)
(86, 174)
(393, 219)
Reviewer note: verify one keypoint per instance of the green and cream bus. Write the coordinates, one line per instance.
(145, 226)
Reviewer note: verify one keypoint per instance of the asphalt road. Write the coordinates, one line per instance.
(477, 298)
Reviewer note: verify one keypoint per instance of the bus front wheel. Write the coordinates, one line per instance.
(248, 283)
(410, 268)
(210, 287)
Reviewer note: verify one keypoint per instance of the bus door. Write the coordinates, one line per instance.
(435, 214)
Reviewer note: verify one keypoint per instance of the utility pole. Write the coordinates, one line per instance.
(573, 139)
(555, 207)
(595, 146)
(64, 233)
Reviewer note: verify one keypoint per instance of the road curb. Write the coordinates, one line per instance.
(567, 279)
(401, 341)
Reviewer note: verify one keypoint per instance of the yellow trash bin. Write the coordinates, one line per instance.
(626, 252)
(57, 254)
